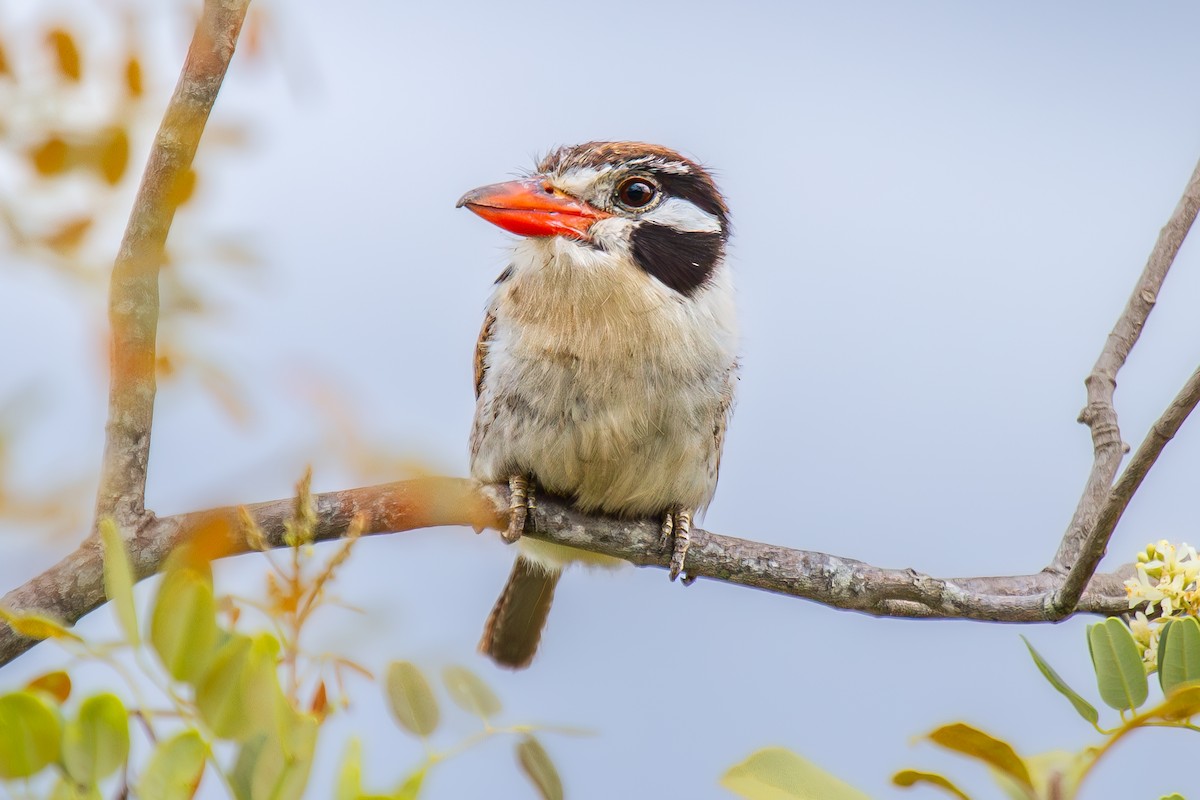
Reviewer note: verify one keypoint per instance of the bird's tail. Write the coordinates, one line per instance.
(514, 628)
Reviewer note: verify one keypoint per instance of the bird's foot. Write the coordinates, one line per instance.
(677, 526)
(521, 501)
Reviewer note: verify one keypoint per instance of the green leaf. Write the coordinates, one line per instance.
(275, 765)
(1175, 796)
(118, 578)
(1118, 664)
(774, 773)
(175, 769)
(349, 782)
(67, 789)
(1163, 635)
(220, 695)
(96, 743)
(536, 764)
(1083, 707)
(996, 753)
(1181, 663)
(411, 698)
(183, 623)
(470, 693)
(911, 777)
(240, 695)
(264, 701)
(411, 788)
(30, 732)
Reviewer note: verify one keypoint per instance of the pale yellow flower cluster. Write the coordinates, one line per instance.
(1166, 579)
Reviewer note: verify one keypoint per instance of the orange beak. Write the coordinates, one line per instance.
(532, 208)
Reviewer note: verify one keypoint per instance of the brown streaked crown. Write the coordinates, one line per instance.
(680, 176)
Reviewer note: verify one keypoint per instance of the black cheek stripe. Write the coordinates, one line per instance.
(682, 260)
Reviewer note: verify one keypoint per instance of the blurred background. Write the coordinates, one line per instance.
(940, 210)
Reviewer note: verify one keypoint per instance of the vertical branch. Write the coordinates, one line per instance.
(133, 295)
(1100, 414)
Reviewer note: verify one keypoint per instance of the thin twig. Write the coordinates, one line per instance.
(1100, 414)
(75, 586)
(1122, 492)
(133, 296)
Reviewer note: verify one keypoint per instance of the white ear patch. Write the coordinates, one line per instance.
(683, 216)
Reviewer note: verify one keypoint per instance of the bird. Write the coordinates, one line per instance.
(606, 365)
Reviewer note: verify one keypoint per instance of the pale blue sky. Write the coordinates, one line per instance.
(940, 209)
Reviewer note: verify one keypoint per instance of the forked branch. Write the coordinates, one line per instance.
(1101, 506)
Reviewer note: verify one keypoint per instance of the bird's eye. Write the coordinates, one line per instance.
(636, 192)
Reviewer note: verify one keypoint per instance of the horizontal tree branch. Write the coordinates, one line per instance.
(74, 586)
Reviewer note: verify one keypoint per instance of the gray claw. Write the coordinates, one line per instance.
(680, 524)
(520, 502)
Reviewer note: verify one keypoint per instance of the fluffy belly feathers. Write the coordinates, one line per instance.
(632, 442)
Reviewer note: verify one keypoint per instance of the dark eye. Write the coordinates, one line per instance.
(636, 192)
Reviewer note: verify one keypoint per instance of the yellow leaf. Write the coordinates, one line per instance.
(1181, 703)
(35, 626)
(50, 158)
(164, 365)
(962, 738)
(183, 189)
(57, 684)
(5, 69)
(114, 155)
(66, 53)
(911, 777)
(69, 235)
(133, 76)
(775, 773)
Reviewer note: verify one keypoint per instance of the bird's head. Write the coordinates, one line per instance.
(643, 201)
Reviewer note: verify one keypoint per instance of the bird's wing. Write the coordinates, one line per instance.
(481, 349)
(726, 411)
(485, 336)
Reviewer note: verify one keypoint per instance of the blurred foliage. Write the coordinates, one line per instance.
(1124, 654)
(211, 701)
(80, 99)
(82, 91)
(774, 773)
